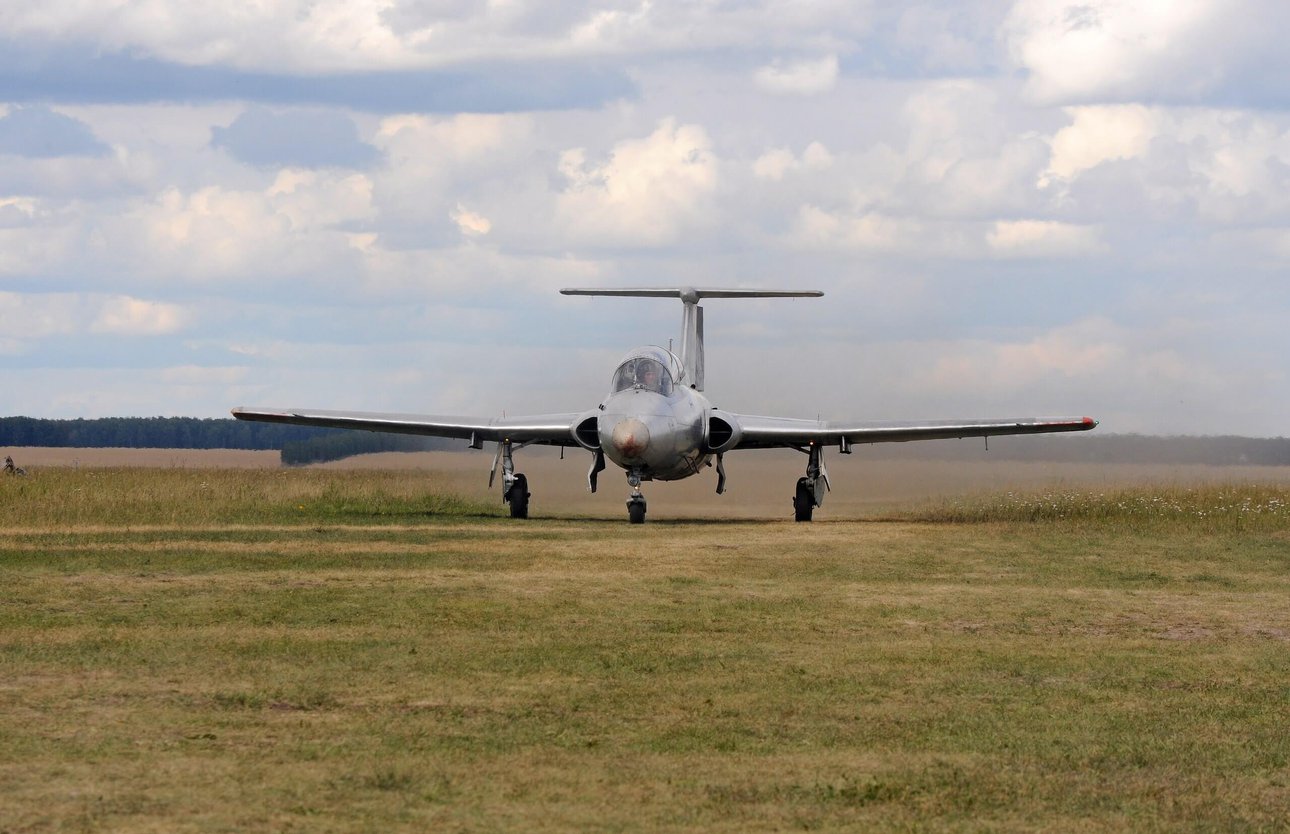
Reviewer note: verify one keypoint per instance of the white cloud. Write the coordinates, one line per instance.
(27, 317)
(1042, 239)
(875, 232)
(1097, 135)
(775, 163)
(806, 78)
(1084, 349)
(349, 35)
(217, 233)
(648, 192)
(905, 197)
(1224, 165)
(134, 317)
(1108, 50)
(470, 223)
(443, 143)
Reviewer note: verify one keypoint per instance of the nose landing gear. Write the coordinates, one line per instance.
(636, 501)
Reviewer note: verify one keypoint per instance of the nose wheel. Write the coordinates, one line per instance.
(636, 501)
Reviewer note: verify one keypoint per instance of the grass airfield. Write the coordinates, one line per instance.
(189, 649)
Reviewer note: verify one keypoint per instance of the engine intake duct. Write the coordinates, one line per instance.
(587, 432)
(723, 432)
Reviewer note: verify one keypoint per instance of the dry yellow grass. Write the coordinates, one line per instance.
(760, 486)
(333, 666)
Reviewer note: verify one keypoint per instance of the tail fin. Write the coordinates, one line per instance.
(692, 318)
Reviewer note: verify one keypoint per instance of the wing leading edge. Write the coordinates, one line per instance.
(772, 432)
(549, 429)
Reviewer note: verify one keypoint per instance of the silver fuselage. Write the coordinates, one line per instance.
(660, 436)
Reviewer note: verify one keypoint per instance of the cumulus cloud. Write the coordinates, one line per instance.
(1226, 166)
(470, 223)
(136, 317)
(649, 191)
(947, 36)
(431, 166)
(214, 233)
(947, 215)
(1042, 239)
(871, 231)
(807, 78)
(775, 163)
(1121, 50)
(34, 316)
(1084, 349)
(16, 212)
(345, 35)
(1099, 134)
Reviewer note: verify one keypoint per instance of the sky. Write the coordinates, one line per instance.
(1036, 207)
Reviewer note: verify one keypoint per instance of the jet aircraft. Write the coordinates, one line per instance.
(657, 425)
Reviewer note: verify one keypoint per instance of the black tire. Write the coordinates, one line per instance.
(803, 501)
(636, 512)
(519, 497)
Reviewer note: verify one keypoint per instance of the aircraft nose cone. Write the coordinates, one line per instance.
(630, 438)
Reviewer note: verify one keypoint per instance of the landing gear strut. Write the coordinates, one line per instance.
(636, 501)
(515, 487)
(810, 488)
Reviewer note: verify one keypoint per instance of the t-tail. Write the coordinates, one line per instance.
(692, 316)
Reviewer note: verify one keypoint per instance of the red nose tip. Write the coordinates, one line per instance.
(630, 438)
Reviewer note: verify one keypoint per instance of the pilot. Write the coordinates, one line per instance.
(647, 375)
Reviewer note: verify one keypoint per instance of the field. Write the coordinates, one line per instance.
(187, 648)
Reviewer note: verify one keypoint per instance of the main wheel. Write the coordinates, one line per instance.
(803, 501)
(518, 497)
(636, 512)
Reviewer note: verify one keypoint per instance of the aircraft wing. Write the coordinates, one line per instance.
(550, 429)
(772, 432)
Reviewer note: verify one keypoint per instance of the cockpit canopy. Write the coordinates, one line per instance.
(650, 369)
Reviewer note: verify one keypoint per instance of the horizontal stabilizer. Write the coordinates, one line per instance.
(690, 294)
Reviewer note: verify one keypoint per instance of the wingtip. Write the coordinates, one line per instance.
(1090, 422)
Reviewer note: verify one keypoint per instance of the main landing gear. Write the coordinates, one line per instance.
(515, 487)
(811, 487)
(517, 495)
(636, 501)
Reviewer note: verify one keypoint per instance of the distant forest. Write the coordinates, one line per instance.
(302, 445)
(297, 444)
(1221, 450)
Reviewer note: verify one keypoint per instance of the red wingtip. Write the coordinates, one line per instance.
(1089, 421)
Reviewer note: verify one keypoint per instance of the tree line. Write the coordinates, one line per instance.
(297, 444)
(1217, 450)
(303, 444)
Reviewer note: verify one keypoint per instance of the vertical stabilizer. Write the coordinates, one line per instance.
(692, 317)
(692, 341)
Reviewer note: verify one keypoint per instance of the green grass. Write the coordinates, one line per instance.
(194, 497)
(220, 651)
(1219, 508)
